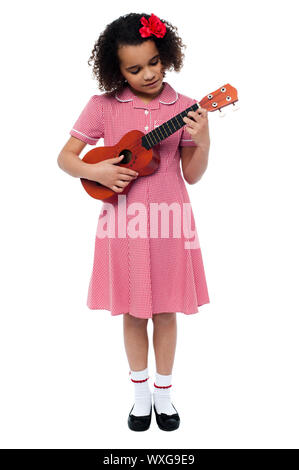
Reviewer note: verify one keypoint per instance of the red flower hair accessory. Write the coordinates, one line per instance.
(152, 26)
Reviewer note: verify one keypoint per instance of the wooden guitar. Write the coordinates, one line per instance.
(139, 148)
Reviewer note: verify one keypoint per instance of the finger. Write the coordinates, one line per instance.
(194, 114)
(199, 113)
(189, 121)
(190, 117)
(121, 183)
(117, 189)
(115, 159)
(190, 130)
(202, 112)
(124, 177)
(127, 171)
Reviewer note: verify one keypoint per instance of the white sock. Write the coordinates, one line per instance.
(162, 398)
(143, 396)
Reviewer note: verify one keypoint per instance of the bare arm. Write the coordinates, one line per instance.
(105, 172)
(194, 163)
(68, 159)
(195, 158)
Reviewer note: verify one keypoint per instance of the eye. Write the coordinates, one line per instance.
(153, 63)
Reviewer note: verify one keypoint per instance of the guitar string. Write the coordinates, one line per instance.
(155, 131)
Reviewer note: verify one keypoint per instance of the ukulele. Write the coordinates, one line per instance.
(139, 148)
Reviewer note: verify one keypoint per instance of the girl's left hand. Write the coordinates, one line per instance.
(199, 128)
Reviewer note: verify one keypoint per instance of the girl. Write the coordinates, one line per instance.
(147, 276)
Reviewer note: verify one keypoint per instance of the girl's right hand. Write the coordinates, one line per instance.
(113, 176)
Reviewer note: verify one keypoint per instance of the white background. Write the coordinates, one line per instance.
(64, 372)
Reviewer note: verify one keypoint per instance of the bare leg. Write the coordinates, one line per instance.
(164, 341)
(136, 341)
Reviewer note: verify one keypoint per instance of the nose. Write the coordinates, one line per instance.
(148, 75)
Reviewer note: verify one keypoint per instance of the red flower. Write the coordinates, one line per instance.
(152, 26)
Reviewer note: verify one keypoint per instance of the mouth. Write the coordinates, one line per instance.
(149, 84)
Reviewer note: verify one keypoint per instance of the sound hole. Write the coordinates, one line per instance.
(127, 156)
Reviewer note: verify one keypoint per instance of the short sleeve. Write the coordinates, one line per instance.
(89, 126)
(186, 139)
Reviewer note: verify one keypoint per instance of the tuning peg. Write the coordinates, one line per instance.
(222, 113)
(236, 107)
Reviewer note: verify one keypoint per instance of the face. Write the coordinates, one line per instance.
(141, 65)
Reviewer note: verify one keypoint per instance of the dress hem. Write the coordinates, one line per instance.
(154, 313)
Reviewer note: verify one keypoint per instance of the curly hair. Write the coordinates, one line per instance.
(125, 31)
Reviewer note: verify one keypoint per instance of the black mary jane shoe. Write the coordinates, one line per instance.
(167, 422)
(139, 423)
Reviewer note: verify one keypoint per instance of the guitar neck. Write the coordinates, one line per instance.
(168, 128)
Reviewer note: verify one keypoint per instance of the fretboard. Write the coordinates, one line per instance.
(166, 129)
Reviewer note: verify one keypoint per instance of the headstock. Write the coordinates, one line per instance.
(224, 96)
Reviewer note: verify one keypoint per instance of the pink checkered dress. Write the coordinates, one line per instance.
(145, 275)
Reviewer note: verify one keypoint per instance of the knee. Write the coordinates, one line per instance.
(167, 317)
(134, 321)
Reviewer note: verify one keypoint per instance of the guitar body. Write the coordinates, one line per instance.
(136, 157)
